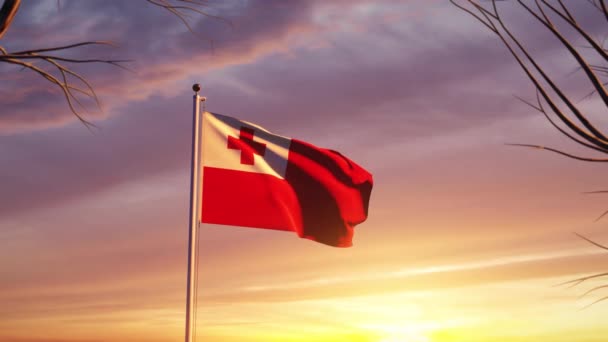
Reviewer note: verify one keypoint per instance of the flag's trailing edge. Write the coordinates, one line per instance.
(254, 178)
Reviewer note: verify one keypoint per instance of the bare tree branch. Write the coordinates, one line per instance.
(539, 147)
(591, 241)
(7, 14)
(570, 20)
(182, 11)
(64, 83)
(595, 138)
(539, 107)
(66, 47)
(593, 290)
(604, 9)
(553, 86)
(580, 280)
(590, 136)
(579, 58)
(595, 302)
(66, 79)
(565, 10)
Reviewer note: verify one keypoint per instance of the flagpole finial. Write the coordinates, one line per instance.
(196, 87)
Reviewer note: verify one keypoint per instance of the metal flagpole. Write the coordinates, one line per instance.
(194, 214)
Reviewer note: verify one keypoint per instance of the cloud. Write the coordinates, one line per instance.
(287, 66)
(163, 50)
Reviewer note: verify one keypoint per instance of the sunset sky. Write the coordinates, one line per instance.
(466, 236)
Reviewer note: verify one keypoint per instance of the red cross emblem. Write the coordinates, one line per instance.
(247, 146)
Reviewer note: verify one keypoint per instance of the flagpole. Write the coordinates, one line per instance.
(194, 217)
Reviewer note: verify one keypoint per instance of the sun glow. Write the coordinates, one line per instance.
(417, 332)
(406, 338)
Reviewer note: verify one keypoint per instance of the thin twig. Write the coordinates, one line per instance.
(539, 147)
(69, 90)
(591, 241)
(580, 280)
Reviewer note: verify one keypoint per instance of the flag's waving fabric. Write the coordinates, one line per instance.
(254, 178)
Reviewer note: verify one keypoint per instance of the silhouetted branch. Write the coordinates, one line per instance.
(7, 14)
(562, 109)
(591, 241)
(67, 80)
(539, 147)
(491, 18)
(592, 290)
(597, 301)
(579, 58)
(570, 20)
(540, 108)
(580, 280)
(182, 11)
(67, 76)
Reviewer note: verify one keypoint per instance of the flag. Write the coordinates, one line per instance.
(254, 178)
